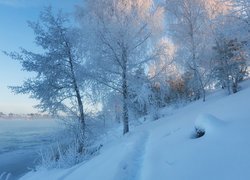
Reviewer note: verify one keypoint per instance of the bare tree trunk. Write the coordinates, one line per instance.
(76, 89)
(235, 85)
(228, 86)
(227, 69)
(81, 135)
(125, 93)
(197, 73)
(80, 108)
(202, 86)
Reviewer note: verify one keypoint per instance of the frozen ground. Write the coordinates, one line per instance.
(20, 141)
(166, 148)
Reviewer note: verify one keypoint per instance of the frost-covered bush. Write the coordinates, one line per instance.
(71, 146)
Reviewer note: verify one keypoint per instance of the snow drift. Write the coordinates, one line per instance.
(207, 123)
(164, 150)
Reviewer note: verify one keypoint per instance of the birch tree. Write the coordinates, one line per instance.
(121, 34)
(189, 28)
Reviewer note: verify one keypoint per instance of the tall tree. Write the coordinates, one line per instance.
(57, 83)
(190, 30)
(241, 20)
(230, 63)
(121, 35)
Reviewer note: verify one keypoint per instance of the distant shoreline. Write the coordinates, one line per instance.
(24, 116)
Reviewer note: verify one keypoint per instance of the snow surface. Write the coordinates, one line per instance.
(164, 149)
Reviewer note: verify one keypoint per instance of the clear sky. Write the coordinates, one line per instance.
(14, 33)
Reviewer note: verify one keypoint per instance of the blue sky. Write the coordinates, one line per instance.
(15, 33)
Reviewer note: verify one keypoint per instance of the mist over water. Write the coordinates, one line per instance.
(20, 142)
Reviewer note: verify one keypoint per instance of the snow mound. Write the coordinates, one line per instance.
(206, 123)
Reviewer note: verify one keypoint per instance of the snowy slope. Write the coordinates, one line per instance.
(165, 149)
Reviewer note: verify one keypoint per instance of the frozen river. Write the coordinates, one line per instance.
(20, 143)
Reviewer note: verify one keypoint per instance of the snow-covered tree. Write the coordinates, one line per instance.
(140, 94)
(239, 22)
(120, 39)
(191, 31)
(58, 70)
(230, 65)
(231, 44)
(165, 73)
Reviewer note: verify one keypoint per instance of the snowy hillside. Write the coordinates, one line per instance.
(167, 148)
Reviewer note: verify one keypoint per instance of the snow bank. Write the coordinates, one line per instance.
(208, 123)
(163, 149)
